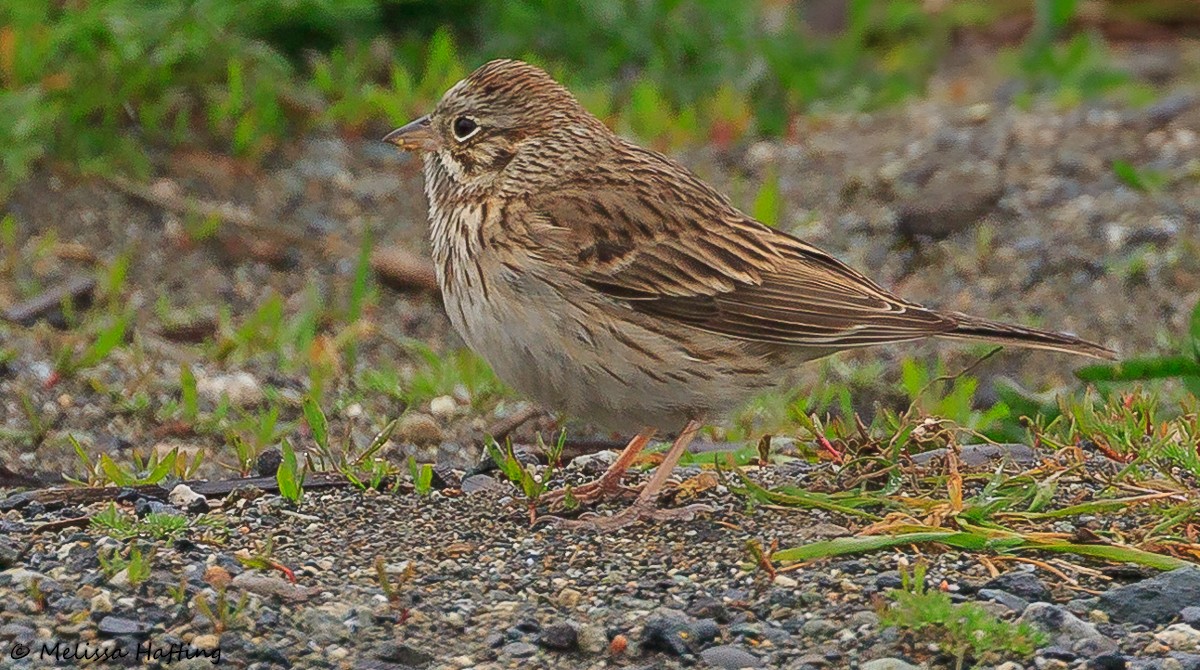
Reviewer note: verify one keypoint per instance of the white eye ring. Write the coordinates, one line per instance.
(464, 128)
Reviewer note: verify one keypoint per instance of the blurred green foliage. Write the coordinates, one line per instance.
(94, 83)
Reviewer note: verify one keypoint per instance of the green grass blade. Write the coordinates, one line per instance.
(1138, 369)
(317, 422)
(855, 545)
(1112, 553)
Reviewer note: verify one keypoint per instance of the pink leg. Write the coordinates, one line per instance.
(644, 506)
(609, 483)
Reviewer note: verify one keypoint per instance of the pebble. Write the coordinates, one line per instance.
(1153, 601)
(1022, 584)
(241, 388)
(113, 626)
(419, 429)
(519, 649)
(184, 497)
(1180, 637)
(443, 407)
(888, 664)
(1067, 629)
(592, 639)
(730, 657)
(560, 636)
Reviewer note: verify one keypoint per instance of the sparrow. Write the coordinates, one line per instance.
(607, 281)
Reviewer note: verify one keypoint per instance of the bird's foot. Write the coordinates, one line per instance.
(640, 510)
(604, 488)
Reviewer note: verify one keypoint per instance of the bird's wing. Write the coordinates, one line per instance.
(691, 258)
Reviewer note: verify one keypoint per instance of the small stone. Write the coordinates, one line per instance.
(1180, 637)
(403, 654)
(112, 626)
(783, 581)
(184, 497)
(1104, 662)
(1021, 583)
(419, 429)
(267, 585)
(519, 649)
(101, 602)
(1067, 629)
(667, 631)
(217, 577)
(707, 607)
(207, 641)
(242, 389)
(592, 639)
(443, 407)
(819, 628)
(1012, 602)
(268, 462)
(560, 636)
(888, 663)
(1190, 615)
(730, 657)
(1153, 601)
(569, 598)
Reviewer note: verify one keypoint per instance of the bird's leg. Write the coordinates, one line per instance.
(609, 483)
(644, 507)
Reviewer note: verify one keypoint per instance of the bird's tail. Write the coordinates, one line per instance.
(972, 328)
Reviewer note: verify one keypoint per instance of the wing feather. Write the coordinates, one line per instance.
(676, 250)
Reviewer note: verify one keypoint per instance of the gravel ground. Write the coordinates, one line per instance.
(975, 206)
(473, 586)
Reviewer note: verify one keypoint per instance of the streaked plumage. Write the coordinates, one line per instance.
(608, 281)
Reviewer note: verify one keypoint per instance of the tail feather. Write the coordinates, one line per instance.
(972, 328)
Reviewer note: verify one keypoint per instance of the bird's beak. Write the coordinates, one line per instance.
(415, 136)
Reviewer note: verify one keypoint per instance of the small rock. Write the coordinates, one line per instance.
(1068, 630)
(1012, 602)
(443, 407)
(1190, 615)
(1021, 583)
(268, 462)
(783, 581)
(569, 598)
(403, 654)
(888, 664)
(519, 649)
(667, 631)
(112, 626)
(266, 585)
(560, 636)
(1180, 637)
(730, 657)
(242, 389)
(707, 607)
(819, 628)
(592, 639)
(419, 429)
(207, 641)
(184, 497)
(480, 484)
(1106, 662)
(1153, 601)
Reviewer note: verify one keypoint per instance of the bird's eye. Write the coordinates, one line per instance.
(464, 128)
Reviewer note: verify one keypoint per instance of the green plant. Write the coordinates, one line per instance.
(136, 567)
(937, 394)
(1184, 367)
(223, 613)
(966, 631)
(1141, 179)
(422, 476)
(530, 484)
(289, 476)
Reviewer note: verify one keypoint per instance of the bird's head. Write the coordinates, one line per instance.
(507, 126)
